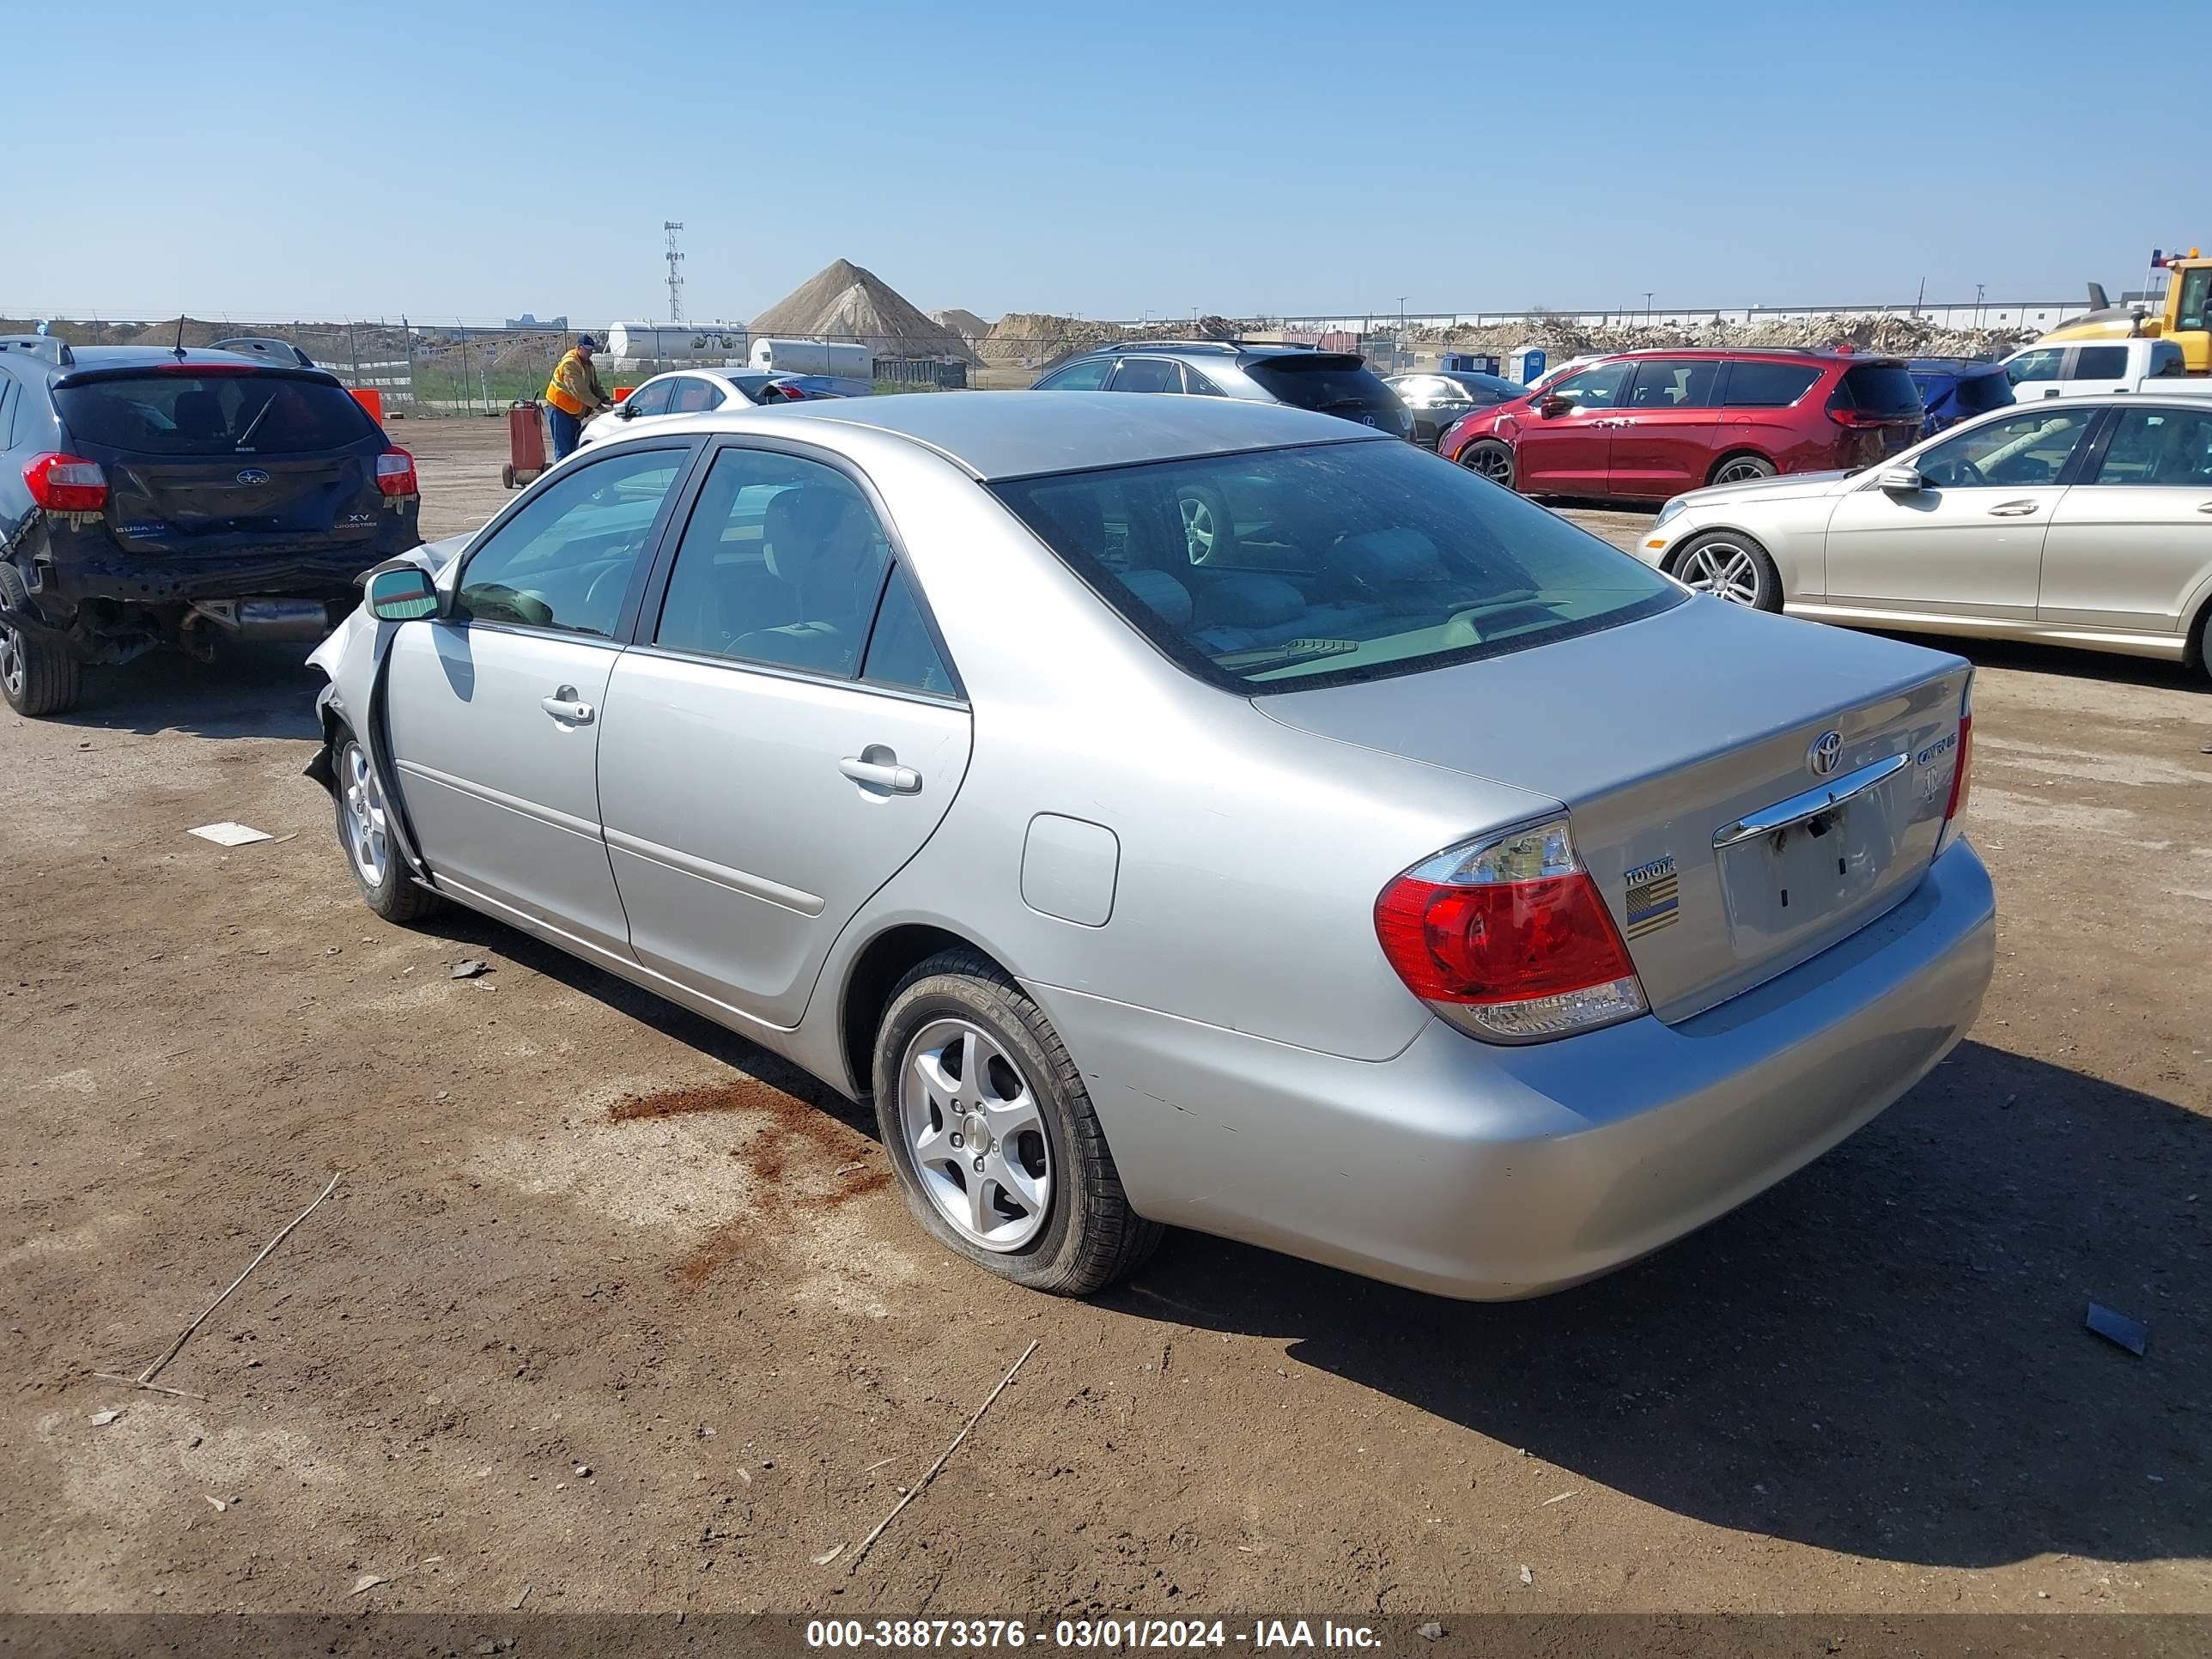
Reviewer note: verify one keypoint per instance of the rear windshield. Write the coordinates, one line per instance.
(167, 414)
(1323, 380)
(1879, 389)
(1286, 570)
(1980, 394)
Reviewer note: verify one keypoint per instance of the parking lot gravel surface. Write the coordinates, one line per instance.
(610, 1309)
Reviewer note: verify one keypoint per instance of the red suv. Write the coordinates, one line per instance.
(1651, 424)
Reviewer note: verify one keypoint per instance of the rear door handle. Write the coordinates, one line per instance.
(899, 780)
(565, 706)
(2012, 509)
(2204, 507)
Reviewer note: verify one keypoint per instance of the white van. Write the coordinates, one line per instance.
(2086, 367)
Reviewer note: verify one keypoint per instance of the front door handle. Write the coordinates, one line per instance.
(878, 774)
(2012, 509)
(565, 706)
(2204, 507)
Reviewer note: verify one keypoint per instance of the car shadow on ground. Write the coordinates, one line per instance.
(247, 691)
(2111, 666)
(1884, 1356)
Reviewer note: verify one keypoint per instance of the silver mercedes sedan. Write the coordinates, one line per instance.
(1182, 812)
(2086, 522)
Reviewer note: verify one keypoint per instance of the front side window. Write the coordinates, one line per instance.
(1768, 385)
(2168, 447)
(565, 560)
(780, 563)
(2100, 362)
(1086, 376)
(1660, 385)
(2034, 366)
(1284, 570)
(2195, 287)
(1601, 387)
(2026, 450)
(652, 398)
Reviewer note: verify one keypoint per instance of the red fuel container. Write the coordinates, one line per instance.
(525, 443)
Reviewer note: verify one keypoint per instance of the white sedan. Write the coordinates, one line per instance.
(692, 392)
(2084, 522)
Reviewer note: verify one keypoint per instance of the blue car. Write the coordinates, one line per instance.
(1953, 388)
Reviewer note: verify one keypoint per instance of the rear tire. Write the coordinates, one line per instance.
(1728, 566)
(364, 835)
(1492, 458)
(1027, 1098)
(1742, 469)
(38, 675)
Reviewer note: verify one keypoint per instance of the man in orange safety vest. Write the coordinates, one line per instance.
(573, 394)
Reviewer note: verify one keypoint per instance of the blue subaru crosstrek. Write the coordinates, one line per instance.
(178, 498)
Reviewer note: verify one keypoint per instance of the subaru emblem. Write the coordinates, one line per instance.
(254, 475)
(1825, 754)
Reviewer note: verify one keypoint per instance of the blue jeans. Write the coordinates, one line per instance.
(567, 430)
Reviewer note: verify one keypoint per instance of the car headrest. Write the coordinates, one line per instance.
(1246, 599)
(805, 517)
(1162, 594)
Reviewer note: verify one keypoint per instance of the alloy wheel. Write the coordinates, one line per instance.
(368, 842)
(1741, 471)
(1493, 464)
(14, 671)
(1722, 569)
(973, 1128)
(1199, 529)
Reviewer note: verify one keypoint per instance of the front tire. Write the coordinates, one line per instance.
(1492, 458)
(38, 675)
(364, 833)
(992, 1135)
(1729, 566)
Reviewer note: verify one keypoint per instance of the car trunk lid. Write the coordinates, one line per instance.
(199, 505)
(1684, 748)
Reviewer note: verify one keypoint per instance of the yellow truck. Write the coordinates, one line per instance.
(2182, 318)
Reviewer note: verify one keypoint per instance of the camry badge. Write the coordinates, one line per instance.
(254, 475)
(1825, 754)
(1654, 897)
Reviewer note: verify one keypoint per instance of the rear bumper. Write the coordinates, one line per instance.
(1494, 1173)
(73, 571)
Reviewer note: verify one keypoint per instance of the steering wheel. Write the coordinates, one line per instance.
(1960, 474)
(617, 576)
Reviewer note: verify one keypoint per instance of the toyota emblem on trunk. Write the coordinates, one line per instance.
(1825, 754)
(254, 475)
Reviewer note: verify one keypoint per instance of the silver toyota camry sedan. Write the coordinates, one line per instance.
(1186, 811)
(2083, 522)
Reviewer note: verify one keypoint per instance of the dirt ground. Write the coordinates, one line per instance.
(611, 1310)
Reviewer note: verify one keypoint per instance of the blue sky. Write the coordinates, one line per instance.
(301, 160)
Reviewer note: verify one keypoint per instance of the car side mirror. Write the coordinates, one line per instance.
(401, 592)
(626, 410)
(1901, 481)
(1551, 408)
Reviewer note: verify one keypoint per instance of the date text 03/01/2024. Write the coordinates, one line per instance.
(1086, 1633)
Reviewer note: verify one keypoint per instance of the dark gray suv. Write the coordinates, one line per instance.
(1333, 382)
(152, 498)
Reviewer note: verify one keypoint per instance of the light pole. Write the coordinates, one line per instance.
(1979, 288)
(1647, 308)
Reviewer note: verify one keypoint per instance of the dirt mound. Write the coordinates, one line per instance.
(1032, 339)
(843, 302)
(966, 324)
(1900, 335)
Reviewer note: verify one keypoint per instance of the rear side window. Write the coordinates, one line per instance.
(2160, 446)
(184, 414)
(1324, 380)
(1146, 374)
(1879, 389)
(2101, 363)
(1284, 570)
(1660, 385)
(1767, 385)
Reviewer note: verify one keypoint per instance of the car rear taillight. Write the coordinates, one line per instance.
(1860, 419)
(66, 483)
(1962, 782)
(395, 472)
(1507, 939)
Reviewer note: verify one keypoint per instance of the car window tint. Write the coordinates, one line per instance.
(1198, 386)
(652, 399)
(2034, 366)
(207, 415)
(1078, 377)
(1978, 394)
(1600, 387)
(2100, 362)
(1286, 568)
(1768, 385)
(1146, 374)
(2026, 449)
(1662, 385)
(780, 563)
(2169, 447)
(8, 402)
(900, 650)
(695, 397)
(566, 558)
(2165, 359)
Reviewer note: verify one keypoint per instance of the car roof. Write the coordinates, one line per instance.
(1015, 434)
(1959, 366)
(1779, 353)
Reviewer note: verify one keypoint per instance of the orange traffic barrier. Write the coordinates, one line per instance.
(372, 400)
(622, 393)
